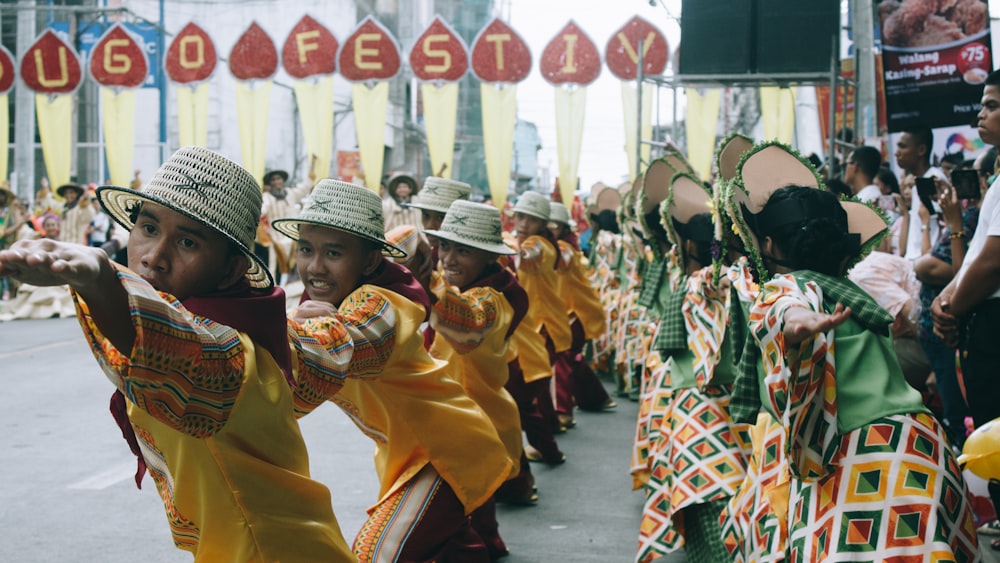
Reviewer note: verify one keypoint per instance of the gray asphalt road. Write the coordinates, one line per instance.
(66, 489)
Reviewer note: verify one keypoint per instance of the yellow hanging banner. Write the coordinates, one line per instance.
(570, 106)
(700, 122)
(629, 105)
(4, 140)
(777, 111)
(315, 100)
(440, 109)
(499, 119)
(253, 99)
(55, 118)
(118, 109)
(369, 122)
(192, 115)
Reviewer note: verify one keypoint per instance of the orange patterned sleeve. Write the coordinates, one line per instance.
(464, 319)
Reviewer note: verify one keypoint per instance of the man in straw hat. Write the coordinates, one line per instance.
(77, 213)
(280, 202)
(479, 305)
(194, 336)
(433, 201)
(832, 378)
(430, 480)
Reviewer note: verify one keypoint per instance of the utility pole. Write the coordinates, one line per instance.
(865, 107)
(24, 116)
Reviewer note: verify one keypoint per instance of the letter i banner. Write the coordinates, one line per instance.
(7, 75)
(253, 61)
(310, 56)
(570, 62)
(500, 59)
(369, 58)
(622, 58)
(51, 68)
(191, 60)
(118, 63)
(439, 58)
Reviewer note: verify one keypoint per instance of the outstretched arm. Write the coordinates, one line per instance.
(801, 323)
(88, 271)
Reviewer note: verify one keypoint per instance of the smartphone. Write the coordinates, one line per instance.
(966, 182)
(926, 191)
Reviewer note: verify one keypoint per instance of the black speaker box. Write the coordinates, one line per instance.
(716, 36)
(795, 35)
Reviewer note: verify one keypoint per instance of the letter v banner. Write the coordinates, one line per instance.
(118, 64)
(370, 57)
(51, 69)
(191, 60)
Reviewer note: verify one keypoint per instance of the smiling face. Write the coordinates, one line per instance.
(462, 264)
(431, 220)
(180, 256)
(528, 226)
(50, 228)
(334, 263)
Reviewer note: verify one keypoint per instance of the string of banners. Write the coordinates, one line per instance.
(368, 58)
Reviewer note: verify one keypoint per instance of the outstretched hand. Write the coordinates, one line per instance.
(46, 262)
(802, 323)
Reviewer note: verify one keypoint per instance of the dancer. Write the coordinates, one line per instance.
(870, 468)
(430, 480)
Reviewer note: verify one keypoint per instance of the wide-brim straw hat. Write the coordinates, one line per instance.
(688, 197)
(656, 186)
(534, 204)
(597, 188)
(61, 190)
(770, 166)
(727, 159)
(474, 224)
(608, 199)
(205, 187)
(439, 193)
(272, 174)
(8, 192)
(337, 205)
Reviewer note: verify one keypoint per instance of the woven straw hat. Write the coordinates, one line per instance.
(656, 186)
(438, 194)
(474, 224)
(770, 166)
(345, 207)
(560, 214)
(534, 204)
(61, 190)
(205, 187)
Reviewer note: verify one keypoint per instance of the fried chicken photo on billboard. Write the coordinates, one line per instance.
(920, 23)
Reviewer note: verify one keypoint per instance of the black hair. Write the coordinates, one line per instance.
(699, 230)
(655, 226)
(955, 158)
(868, 159)
(607, 221)
(839, 187)
(993, 79)
(989, 165)
(922, 136)
(888, 178)
(809, 227)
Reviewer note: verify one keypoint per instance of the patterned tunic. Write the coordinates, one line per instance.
(871, 475)
(212, 411)
(701, 460)
(604, 276)
(471, 329)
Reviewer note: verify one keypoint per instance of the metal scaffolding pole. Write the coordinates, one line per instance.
(23, 176)
(638, 112)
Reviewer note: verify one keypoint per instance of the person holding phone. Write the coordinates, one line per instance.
(913, 155)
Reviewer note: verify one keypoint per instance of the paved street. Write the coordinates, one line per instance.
(67, 491)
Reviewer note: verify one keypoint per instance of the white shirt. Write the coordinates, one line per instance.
(988, 226)
(868, 193)
(101, 223)
(913, 238)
